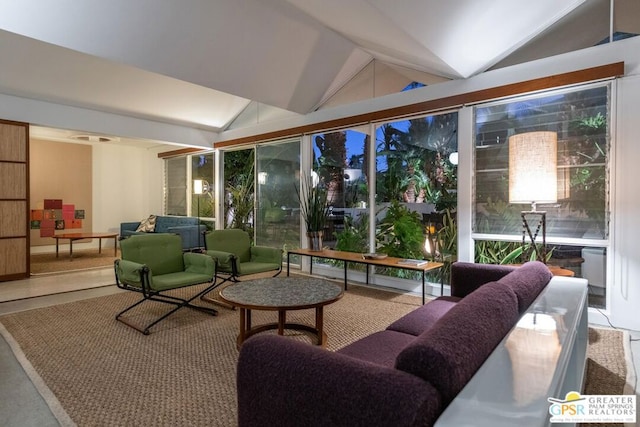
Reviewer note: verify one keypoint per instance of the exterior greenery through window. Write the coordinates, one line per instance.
(415, 181)
(178, 190)
(239, 179)
(277, 171)
(581, 120)
(416, 187)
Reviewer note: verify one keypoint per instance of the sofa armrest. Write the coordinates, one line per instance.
(466, 277)
(199, 263)
(128, 228)
(266, 254)
(290, 383)
(225, 260)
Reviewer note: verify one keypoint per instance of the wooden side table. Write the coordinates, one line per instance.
(281, 294)
(82, 236)
(559, 271)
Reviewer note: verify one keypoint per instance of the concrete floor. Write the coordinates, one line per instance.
(20, 403)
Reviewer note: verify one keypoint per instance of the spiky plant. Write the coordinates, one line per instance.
(314, 207)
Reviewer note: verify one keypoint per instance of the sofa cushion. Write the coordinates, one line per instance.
(147, 225)
(283, 382)
(163, 257)
(449, 354)
(166, 224)
(527, 282)
(424, 317)
(380, 348)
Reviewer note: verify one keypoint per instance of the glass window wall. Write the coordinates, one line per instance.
(202, 175)
(577, 225)
(340, 163)
(175, 186)
(239, 189)
(416, 189)
(278, 208)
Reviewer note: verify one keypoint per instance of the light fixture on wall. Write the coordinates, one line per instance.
(533, 178)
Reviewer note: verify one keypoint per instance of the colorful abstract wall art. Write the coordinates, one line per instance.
(54, 216)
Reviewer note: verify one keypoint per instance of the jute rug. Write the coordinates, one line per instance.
(84, 259)
(95, 371)
(609, 367)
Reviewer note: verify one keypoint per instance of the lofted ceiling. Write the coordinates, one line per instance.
(201, 63)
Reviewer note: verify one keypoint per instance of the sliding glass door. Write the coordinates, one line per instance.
(277, 208)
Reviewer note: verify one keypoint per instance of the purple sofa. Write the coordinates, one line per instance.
(405, 375)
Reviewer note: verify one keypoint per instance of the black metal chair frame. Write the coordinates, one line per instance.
(151, 295)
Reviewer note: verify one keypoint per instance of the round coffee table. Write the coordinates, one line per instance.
(281, 294)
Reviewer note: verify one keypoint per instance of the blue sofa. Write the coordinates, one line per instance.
(185, 226)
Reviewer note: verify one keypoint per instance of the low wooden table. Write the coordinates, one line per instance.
(360, 259)
(281, 294)
(82, 236)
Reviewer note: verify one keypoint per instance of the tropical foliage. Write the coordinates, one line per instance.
(418, 167)
(400, 233)
(239, 189)
(355, 237)
(314, 206)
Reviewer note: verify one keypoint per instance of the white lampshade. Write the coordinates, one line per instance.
(533, 159)
(198, 186)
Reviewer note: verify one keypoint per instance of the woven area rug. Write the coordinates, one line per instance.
(104, 373)
(83, 259)
(95, 371)
(609, 368)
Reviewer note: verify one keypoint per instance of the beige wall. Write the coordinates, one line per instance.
(61, 171)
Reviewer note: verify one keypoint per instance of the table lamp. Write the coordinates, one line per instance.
(533, 178)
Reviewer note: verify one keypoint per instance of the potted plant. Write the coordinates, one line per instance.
(314, 209)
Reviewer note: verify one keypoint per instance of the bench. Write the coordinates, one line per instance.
(359, 258)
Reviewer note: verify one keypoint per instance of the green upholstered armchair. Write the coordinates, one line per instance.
(154, 264)
(236, 257)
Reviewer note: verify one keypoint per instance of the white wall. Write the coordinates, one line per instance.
(127, 185)
(624, 279)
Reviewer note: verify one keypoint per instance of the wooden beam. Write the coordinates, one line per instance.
(180, 152)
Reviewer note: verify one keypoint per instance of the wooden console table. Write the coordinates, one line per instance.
(81, 236)
(359, 258)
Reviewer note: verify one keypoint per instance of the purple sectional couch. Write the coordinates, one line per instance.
(405, 375)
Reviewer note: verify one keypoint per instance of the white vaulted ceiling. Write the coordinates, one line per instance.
(200, 63)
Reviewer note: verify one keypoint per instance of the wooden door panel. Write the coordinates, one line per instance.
(13, 253)
(14, 200)
(13, 147)
(13, 222)
(13, 177)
